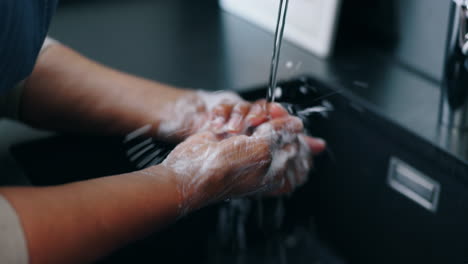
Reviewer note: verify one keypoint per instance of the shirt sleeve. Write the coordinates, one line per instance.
(13, 248)
(10, 101)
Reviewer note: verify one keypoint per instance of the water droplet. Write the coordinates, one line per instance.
(303, 90)
(278, 92)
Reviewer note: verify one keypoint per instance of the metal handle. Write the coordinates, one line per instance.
(413, 184)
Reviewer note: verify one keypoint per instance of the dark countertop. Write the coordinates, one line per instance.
(194, 44)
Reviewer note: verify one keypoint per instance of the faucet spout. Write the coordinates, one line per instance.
(453, 112)
(454, 99)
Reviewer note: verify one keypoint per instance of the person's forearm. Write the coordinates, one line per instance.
(68, 92)
(80, 222)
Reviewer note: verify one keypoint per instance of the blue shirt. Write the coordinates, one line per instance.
(23, 28)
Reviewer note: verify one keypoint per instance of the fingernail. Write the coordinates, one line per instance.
(256, 116)
(235, 123)
(255, 111)
(276, 105)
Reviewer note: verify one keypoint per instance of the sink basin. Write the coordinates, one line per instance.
(349, 212)
(357, 209)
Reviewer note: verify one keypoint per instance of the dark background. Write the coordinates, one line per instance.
(412, 32)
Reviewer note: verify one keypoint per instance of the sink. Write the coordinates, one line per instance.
(357, 210)
(364, 202)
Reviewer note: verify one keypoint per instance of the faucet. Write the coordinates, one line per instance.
(453, 113)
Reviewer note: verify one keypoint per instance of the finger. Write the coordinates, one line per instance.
(316, 145)
(303, 160)
(289, 124)
(279, 131)
(238, 114)
(282, 189)
(292, 167)
(212, 99)
(286, 186)
(261, 102)
(277, 111)
(300, 166)
(282, 170)
(258, 114)
(220, 115)
(294, 176)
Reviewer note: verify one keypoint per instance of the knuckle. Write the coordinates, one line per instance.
(242, 107)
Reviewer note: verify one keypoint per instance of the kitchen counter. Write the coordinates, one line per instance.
(194, 44)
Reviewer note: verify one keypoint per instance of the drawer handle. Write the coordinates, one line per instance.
(413, 184)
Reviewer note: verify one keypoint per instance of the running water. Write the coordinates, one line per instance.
(271, 90)
(283, 8)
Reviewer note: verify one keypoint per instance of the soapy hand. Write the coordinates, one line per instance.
(223, 113)
(275, 159)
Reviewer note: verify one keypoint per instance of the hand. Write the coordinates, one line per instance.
(275, 159)
(192, 113)
(223, 113)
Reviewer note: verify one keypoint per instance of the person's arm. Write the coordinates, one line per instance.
(68, 92)
(80, 222)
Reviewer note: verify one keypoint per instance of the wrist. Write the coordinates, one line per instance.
(191, 195)
(163, 182)
(183, 197)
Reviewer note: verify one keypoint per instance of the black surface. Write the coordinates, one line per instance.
(178, 42)
(62, 159)
(347, 198)
(410, 31)
(358, 213)
(194, 44)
